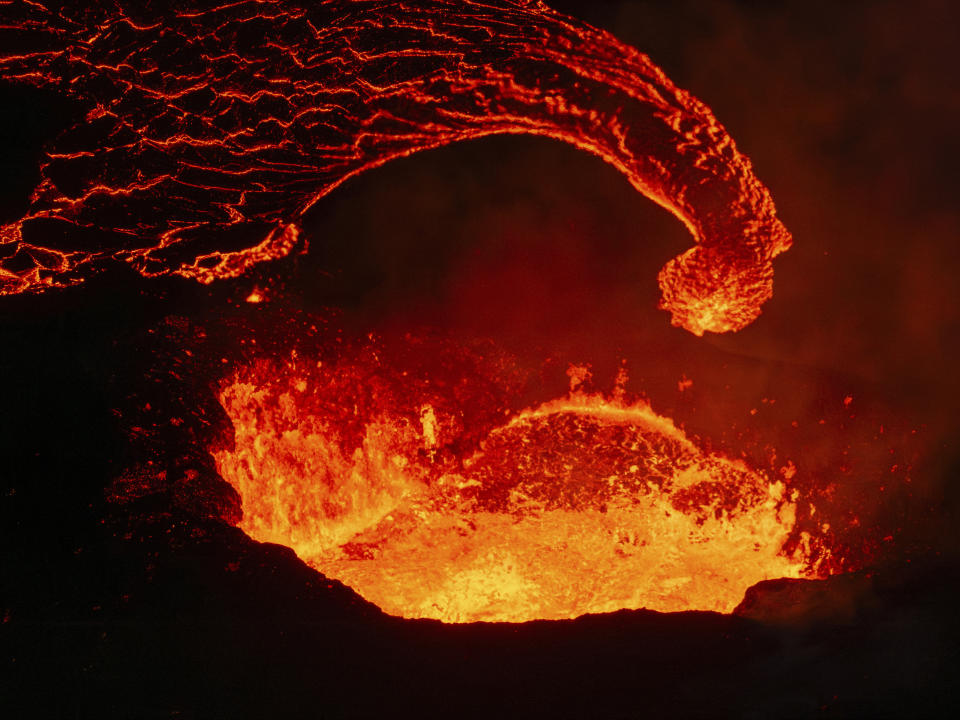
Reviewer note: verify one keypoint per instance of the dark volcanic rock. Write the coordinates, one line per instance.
(788, 602)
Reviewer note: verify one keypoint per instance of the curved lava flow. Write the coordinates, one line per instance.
(213, 127)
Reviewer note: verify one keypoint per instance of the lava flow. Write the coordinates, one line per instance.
(583, 504)
(211, 128)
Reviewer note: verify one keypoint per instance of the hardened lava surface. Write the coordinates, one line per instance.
(211, 128)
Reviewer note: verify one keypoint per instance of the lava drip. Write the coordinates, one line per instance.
(211, 129)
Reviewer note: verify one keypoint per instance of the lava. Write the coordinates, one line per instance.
(211, 130)
(582, 504)
(213, 127)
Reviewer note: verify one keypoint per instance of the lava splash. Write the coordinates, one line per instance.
(212, 127)
(583, 504)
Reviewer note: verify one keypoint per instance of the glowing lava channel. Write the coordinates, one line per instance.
(582, 505)
(212, 127)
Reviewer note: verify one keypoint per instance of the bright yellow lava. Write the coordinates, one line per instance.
(581, 505)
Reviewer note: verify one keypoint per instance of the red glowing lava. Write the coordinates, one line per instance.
(429, 506)
(213, 127)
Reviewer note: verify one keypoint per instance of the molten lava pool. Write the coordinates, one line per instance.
(584, 504)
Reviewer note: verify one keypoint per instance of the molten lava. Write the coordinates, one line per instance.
(583, 504)
(212, 127)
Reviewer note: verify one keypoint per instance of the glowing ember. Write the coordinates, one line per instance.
(581, 505)
(213, 127)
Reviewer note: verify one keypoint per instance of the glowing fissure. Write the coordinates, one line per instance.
(584, 504)
(214, 127)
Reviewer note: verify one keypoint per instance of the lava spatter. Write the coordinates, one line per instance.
(212, 127)
(583, 504)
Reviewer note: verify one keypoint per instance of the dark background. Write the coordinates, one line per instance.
(849, 113)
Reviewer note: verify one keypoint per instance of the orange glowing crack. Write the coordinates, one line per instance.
(242, 115)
